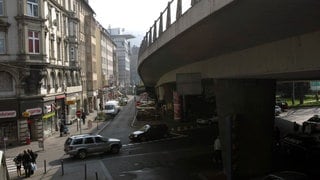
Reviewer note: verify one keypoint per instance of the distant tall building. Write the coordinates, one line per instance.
(135, 78)
(123, 54)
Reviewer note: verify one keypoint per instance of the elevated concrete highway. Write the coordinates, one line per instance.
(243, 47)
(238, 38)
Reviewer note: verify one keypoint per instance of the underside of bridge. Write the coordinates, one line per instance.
(237, 26)
(244, 47)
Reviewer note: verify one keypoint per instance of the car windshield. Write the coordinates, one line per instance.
(68, 141)
(145, 128)
(109, 107)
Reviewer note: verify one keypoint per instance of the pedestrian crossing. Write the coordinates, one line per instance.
(12, 168)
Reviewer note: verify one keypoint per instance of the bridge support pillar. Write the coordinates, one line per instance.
(246, 118)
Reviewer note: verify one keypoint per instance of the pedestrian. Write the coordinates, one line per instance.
(26, 161)
(18, 162)
(217, 152)
(83, 117)
(33, 156)
(61, 129)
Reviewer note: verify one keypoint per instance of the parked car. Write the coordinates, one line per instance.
(149, 132)
(282, 104)
(207, 121)
(82, 145)
(311, 125)
(277, 110)
(301, 146)
(284, 175)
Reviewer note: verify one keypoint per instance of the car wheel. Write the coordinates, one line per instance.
(115, 149)
(143, 138)
(82, 154)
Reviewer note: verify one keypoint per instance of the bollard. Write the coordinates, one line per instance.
(97, 176)
(45, 166)
(97, 125)
(85, 171)
(62, 170)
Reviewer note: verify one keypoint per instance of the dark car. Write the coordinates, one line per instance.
(311, 125)
(284, 175)
(302, 146)
(282, 104)
(149, 132)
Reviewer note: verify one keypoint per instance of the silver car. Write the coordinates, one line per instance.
(82, 145)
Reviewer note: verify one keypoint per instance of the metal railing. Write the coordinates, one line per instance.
(174, 10)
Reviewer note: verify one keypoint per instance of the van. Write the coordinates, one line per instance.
(111, 108)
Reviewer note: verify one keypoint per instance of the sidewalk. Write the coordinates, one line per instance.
(53, 148)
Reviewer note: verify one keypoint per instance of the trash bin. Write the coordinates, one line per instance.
(28, 141)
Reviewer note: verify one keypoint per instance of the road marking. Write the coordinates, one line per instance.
(158, 140)
(11, 165)
(106, 172)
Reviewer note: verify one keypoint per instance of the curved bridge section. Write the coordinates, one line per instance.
(232, 39)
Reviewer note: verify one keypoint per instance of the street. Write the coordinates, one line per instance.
(183, 155)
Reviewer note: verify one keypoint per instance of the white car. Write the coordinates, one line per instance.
(111, 108)
(277, 110)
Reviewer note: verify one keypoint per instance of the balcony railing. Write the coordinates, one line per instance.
(166, 19)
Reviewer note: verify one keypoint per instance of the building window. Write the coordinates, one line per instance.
(32, 8)
(2, 42)
(71, 54)
(6, 82)
(34, 42)
(1, 8)
(59, 50)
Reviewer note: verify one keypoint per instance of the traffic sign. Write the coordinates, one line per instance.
(78, 113)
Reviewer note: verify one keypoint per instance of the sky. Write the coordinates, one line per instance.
(134, 16)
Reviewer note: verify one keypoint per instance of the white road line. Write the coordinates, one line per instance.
(11, 165)
(106, 172)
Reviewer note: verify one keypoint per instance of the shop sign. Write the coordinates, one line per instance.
(47, 109)
(25, 114)
(34, 111)
(69, 102)
(48, 115)
(8, 114)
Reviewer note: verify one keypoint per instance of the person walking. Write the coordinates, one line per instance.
(33, 156)
(26, 161)
(18, 162)
(83, 117)
(217, 152)
(61, 129)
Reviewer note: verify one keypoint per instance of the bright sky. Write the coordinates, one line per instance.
(135, 16)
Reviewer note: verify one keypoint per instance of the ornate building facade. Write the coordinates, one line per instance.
(40, 73)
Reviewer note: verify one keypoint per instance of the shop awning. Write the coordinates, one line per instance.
(48, 115)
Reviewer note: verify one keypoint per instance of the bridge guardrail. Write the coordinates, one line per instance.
(166, 19)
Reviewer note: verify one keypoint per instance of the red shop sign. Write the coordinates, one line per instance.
(34, 111)
(8, 114)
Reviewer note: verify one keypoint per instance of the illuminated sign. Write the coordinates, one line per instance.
(8, 114)
(34, 111)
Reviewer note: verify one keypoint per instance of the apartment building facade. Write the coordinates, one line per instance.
(47, 69)
(109, 66)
